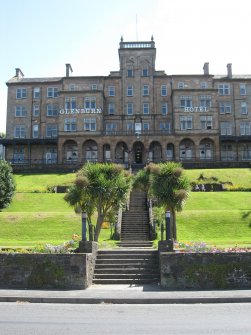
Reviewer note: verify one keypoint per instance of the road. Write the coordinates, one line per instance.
(52, 319)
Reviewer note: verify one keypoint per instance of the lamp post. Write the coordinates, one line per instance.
(168, 226)
(84, 226)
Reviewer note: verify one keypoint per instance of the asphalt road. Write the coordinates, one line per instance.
(52, 319)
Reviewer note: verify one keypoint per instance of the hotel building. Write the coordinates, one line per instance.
(132, 116)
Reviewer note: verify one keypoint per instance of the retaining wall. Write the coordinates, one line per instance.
(46, 271)
(182, 271)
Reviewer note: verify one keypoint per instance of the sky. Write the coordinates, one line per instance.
(40, 37)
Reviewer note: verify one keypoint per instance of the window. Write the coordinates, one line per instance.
(145, 72)
(35, 110)
(52, 92)
(21, 93)
(19, 131)
(129, 108)
(227, 152)
(224, 89)
(70, 124)
(225, 128)
(72, 87)
(90, 124)
(51, 130)
(146, 126)
(35, 131)
(243, 90)
(164, 109)
(94, 87)
(90, 102)
(205, 101)
(110, 128)
(52, 110)
(18, 154)
(225, 107)
(181, 85)
(203, 84)
(186, 122)
(206, 122)
(20, 111)
(70, 103)
(129, 72)
(165, 127)
(145, 91)
(186, 101)
(111, 108)
(130, 91)
(244, 108)
(36, 93)
(163, 90)
(245, 128)
(145, 108)
(111, 91)
(129, 126)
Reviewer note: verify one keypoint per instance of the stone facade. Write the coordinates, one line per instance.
(46, 271)
(132, 116)
(182, 271)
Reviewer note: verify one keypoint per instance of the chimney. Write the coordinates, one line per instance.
(68, 69)
(229, 70)
(206, 69)
(19, 73)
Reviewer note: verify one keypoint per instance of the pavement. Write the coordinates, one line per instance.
(125, 294)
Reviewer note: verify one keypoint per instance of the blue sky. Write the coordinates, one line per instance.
(41, 36)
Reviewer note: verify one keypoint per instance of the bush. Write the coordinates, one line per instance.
(7, 185)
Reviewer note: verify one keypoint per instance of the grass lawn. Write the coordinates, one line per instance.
(39, 182)
(219, 218)
(238, 177)
(222, 218)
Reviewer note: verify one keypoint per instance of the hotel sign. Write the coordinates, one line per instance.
(80, 111)
(198, 109)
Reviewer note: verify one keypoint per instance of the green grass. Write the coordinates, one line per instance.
(39, 202)
(221, 218)
(238, 177)
(39, 182)
(221, 227)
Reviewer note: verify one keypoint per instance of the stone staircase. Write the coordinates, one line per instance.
(135, 229)
(126, 266)
(135, 262)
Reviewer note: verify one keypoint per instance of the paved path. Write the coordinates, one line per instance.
(119, 294)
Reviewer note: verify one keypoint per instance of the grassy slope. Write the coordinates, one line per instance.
(238, 177)
(36, 218)
(32, 218)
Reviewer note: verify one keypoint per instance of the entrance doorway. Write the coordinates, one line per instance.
(138, 152)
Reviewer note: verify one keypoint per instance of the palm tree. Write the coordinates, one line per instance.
(170, 188)
(99, 187)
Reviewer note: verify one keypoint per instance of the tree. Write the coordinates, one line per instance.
(99, 187)
(7, 184)
(166, 184)
(171, 189)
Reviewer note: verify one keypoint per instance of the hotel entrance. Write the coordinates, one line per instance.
(138, 153)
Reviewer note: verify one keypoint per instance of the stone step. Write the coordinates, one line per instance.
(125, 276)
(129, 270)
(127, 261)
(126, 252)
(126, 266)
(134, 281)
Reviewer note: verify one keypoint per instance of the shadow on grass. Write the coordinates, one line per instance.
(246, 215)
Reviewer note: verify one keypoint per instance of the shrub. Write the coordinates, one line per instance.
(7, 185)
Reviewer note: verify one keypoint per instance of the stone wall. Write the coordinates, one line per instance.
(181, 271)
(46, 271)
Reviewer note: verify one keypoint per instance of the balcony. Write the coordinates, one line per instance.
(18, 141)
